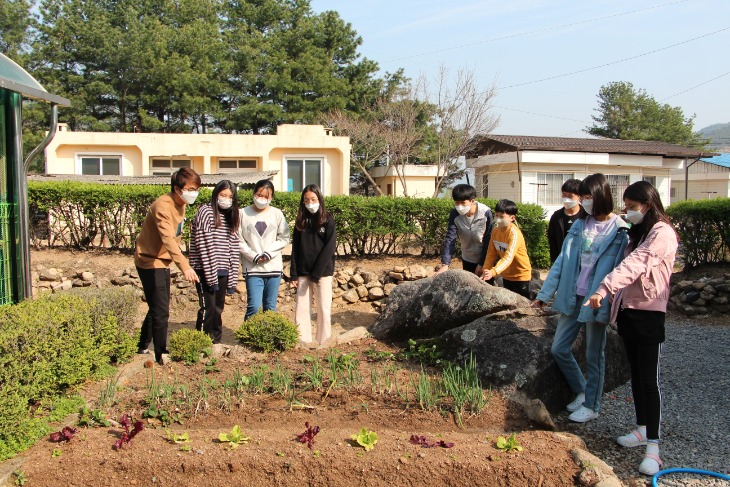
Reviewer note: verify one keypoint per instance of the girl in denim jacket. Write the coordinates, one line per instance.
(593, 247)
(639, 287)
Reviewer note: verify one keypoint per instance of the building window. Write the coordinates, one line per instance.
(650, 179)
(101, 165)
(303, 172)
(547, 188)
(618, 183)
(673, 193)
(163, 166)
(236, 165)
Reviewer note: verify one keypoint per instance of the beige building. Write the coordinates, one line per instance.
(528, 169)
(704, 178)
(296, 156)
(420, 180)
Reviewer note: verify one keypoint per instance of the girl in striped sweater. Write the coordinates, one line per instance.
(214, 256)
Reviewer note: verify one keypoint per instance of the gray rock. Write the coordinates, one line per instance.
(369, 277)
(351, 296)
(357, 333)
(357, 279)
(536, 412)
(398, 276)
(87, 276)
(121, 281)
(428, 307)
(376, 293)
(514, 353)
(388, 288)
(53, 275)
(362, 291)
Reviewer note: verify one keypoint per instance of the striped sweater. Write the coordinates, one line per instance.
(507, 254)
(213, 251)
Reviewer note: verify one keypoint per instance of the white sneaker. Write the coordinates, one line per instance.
(583, 414)
(650, 465)
(631, 440)
(577, 402)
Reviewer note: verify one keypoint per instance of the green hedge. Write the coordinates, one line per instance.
(47, 346)
(97, 215)
(704, 230)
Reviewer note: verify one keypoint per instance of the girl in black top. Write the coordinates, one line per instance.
(313, 263)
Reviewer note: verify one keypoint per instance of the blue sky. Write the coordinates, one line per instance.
(667, 47)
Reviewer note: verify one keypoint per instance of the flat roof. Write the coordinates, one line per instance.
(240, 178)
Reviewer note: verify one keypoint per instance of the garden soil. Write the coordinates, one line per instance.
(274, 456)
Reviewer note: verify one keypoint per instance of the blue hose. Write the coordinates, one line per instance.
(686, 470)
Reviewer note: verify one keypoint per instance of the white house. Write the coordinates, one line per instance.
(529, 169)
(420, 180)
(297, 155)
(708, 177)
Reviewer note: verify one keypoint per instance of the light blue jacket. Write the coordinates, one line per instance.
(562, 280)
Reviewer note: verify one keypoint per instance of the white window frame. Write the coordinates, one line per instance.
(238, 164)
(81, 155)
(647, 176)
(152, 169)
(285, 168)
(618, 202)
(551, 197)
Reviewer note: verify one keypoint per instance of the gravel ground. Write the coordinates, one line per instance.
(696, 408)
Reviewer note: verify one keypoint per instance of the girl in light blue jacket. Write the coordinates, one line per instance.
(593, 247)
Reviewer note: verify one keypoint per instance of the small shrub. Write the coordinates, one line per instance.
(268, 331)
(187, 345)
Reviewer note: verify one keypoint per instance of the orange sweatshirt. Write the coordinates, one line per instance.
(158, 243)
(507, 254)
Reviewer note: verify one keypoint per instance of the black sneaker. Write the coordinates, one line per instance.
(143, 351)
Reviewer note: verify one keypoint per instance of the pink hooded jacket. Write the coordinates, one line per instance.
(641, 281)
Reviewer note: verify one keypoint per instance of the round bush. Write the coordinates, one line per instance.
(268, 331)
(188, 344)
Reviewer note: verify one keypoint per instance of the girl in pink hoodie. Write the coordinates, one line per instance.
(640, 290)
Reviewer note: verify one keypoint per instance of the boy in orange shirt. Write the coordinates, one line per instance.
(507, 252)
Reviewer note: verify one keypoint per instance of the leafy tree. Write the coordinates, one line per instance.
(16, 22)
(631, 114)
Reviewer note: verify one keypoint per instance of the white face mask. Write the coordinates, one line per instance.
(634, 216)
(502, 222)
(312, 207)
(569, 203)
(462, 210)
(189, 197)
(225, 203)
(587, 206)
(261, 203)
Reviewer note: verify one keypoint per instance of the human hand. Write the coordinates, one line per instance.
(479, 271)
(294, 283)
(443, 268)
(594, 301)
(191, 276)
(487, 275)
(537, 304)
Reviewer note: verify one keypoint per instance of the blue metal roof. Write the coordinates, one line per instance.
(721, 160)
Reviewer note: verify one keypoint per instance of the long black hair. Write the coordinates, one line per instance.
(304, 217)
(231, 214)
(646, 194)
(597, 186)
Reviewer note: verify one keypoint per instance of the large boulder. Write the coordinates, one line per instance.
(512, 352)
(428, 307)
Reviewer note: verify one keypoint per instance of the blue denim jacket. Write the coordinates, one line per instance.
(562, 280)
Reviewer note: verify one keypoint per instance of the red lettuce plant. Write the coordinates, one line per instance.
(308, 435)
(426, 443)
(130, 431)
(64, 435)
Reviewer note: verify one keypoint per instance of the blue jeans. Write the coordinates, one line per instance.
(595, 342)
(260, 291)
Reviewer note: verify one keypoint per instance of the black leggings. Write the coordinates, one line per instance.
(646, 385)
(211, 304)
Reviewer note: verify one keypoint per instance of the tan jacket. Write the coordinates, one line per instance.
(158, 243)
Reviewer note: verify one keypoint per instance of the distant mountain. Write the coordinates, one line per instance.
(719, 134)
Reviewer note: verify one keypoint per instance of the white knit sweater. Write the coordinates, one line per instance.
(262, 233)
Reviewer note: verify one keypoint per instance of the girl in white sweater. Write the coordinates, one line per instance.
(263, 234)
